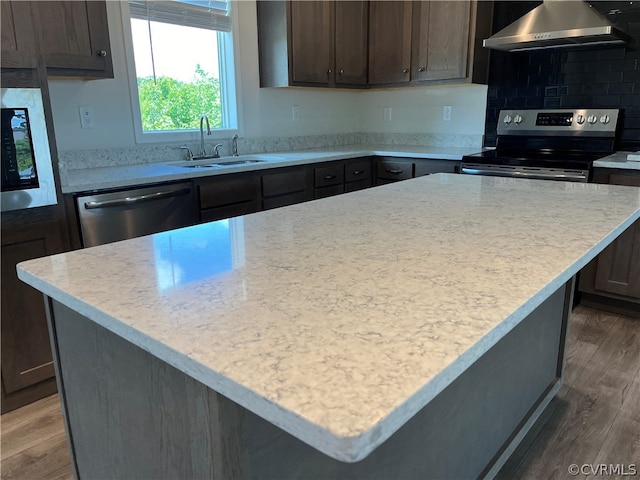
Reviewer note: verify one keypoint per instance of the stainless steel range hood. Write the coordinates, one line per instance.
(557, 24)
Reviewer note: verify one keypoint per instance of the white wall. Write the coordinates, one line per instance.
(264, 111)
(420, 110)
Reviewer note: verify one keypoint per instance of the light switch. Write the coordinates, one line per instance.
(86, 117)
(387, 114)
(446, 113)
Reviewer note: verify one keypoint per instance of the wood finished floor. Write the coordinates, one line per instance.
(594, 419)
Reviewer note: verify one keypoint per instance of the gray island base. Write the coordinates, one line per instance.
(412, 330)
(130, 415)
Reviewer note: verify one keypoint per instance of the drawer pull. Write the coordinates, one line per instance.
(395, 171)
(357, 172)
(329, 177)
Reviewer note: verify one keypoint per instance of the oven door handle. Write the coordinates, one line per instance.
(521, 174)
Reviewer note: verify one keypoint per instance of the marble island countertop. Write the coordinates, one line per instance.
(89, 179)
(338, 319)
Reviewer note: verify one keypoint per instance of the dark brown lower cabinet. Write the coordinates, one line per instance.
(612, 280)
(328, 180)
(287, 186)
(27, 364)
(226, 196)
(392, 169)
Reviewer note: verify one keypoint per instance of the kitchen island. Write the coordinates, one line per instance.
(414, 330)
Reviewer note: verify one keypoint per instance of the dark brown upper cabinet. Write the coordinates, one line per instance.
(372, 44)
(351, 42)
(312, 43)
(17, 31)
(440, 40)
(421, 42)
(74, 36)
(390, 42)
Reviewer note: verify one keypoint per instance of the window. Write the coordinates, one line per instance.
(181, 68)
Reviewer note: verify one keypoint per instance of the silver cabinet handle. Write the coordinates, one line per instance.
(405, 70)
(357, 172)
(421, 69)
(102, 53)
(118, 202)
(393, 170)
(329, 177)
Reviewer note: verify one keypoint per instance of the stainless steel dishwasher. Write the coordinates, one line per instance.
(119, 215)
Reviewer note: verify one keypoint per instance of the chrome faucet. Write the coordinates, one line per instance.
(234, 146)
(216, 152)
(203, 119)
(189, 152)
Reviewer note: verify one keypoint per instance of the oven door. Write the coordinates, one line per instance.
(538, 173)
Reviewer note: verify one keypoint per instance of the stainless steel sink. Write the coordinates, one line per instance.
(222, 164)
(225, 161)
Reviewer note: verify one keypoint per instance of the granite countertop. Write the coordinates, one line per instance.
(338, 319)
(89, 179)
(617, 160)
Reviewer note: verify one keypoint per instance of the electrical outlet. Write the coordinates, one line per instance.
(86, 117)
(387, 114)
(446, 113)
(295, 113)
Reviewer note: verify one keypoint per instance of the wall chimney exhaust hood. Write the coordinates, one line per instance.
(557, 24)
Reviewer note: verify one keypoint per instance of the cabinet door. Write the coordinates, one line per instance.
(351, 42)
(74, 37)
(618, 269)
(311, 40)
(389, 42)
(26, 351)
(441, 40)
(18, 42)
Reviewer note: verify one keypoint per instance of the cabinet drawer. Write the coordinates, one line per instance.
(328, 175)
(359, 185)
(427, 167)
(328, 191)
(286, 182)
(394, 169)
(628, 180)
(357, 171)
(228, 190)
(228, 211)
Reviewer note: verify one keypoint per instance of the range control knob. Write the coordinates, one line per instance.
(604, 119)
(580, 119)
(507, 119)
(518, 119)
(592, 119)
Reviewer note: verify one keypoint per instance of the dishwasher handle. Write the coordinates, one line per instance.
(147, 197)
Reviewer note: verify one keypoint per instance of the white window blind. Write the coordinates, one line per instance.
(209, 14)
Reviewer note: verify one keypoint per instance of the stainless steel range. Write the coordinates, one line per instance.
(549, 144)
